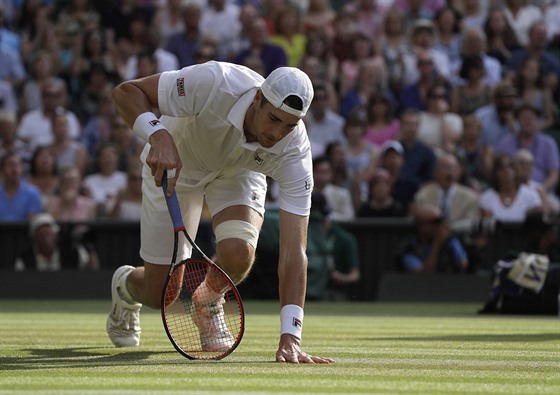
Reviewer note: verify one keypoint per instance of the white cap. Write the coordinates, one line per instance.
(392, 144)
(284, 82)
(40, 220)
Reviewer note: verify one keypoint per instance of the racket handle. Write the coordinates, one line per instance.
(172, 205)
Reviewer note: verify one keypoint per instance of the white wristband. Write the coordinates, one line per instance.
(291, 320)
(147, 124)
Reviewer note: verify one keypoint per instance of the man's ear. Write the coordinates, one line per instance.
(258, 97)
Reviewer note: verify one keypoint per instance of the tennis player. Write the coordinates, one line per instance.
(223, 129)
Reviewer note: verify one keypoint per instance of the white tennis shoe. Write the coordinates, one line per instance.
(123, 323)
(209, 318)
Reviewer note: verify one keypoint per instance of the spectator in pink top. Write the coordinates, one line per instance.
(382, 126)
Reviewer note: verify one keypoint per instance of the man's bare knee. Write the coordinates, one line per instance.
(236, 257)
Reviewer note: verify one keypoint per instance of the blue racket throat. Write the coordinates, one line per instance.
(172, 206)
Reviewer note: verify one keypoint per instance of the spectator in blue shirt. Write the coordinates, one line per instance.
(184, 44)
(419, 159)
(433, 248)
(498, 118)
(19, 200)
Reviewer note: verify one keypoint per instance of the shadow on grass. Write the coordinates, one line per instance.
(91, 357)
(74, 358)
(532, 337)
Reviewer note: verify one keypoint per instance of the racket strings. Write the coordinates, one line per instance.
(204, 324)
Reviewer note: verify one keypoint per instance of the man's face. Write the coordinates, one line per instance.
(505, 103)
(319, 102)
(12, 169)
(51, 98)
(537, 36)
(322, 174)
(270, 124)
(447, 173)
(409, 127)
(392, 161)
(528, 121)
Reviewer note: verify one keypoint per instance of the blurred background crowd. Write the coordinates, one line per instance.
(438, 110)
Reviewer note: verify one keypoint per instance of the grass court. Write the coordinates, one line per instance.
(60, 347)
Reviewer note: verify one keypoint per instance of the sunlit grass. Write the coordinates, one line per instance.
(60, 347)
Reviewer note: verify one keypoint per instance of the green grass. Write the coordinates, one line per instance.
(60, 347)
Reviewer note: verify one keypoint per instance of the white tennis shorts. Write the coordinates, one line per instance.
(220, 189)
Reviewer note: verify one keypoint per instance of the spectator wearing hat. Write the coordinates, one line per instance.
(498, 119)
(542, 146)
(391, 159)
(19, 200)
(51, 252)
(419, 158)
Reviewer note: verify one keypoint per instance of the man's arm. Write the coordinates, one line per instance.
(292, 265)
(135, 97)
(292, 274)
(135, 100)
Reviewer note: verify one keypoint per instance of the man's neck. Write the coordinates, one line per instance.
(11, 187)
(526, 138)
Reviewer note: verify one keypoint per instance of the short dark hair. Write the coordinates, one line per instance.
(292, 101)
(470, 62)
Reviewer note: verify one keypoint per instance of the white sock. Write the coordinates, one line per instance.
(205, 294)
(123, 289)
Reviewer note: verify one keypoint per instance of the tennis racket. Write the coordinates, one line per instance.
(201, 309)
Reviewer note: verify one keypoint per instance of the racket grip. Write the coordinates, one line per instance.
(172, 205)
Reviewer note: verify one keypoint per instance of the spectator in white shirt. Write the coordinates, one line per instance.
(35, 127)
(324, 126)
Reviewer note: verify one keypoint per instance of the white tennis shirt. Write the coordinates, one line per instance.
(204, 107)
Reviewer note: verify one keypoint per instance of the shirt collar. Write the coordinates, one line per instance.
(237, 113)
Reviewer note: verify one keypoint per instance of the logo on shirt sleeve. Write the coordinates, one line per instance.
(181, 86)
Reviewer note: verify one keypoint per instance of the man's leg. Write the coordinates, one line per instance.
(236, 230)
(236, 245)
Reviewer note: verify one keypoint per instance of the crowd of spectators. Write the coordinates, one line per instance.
(446, 103)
